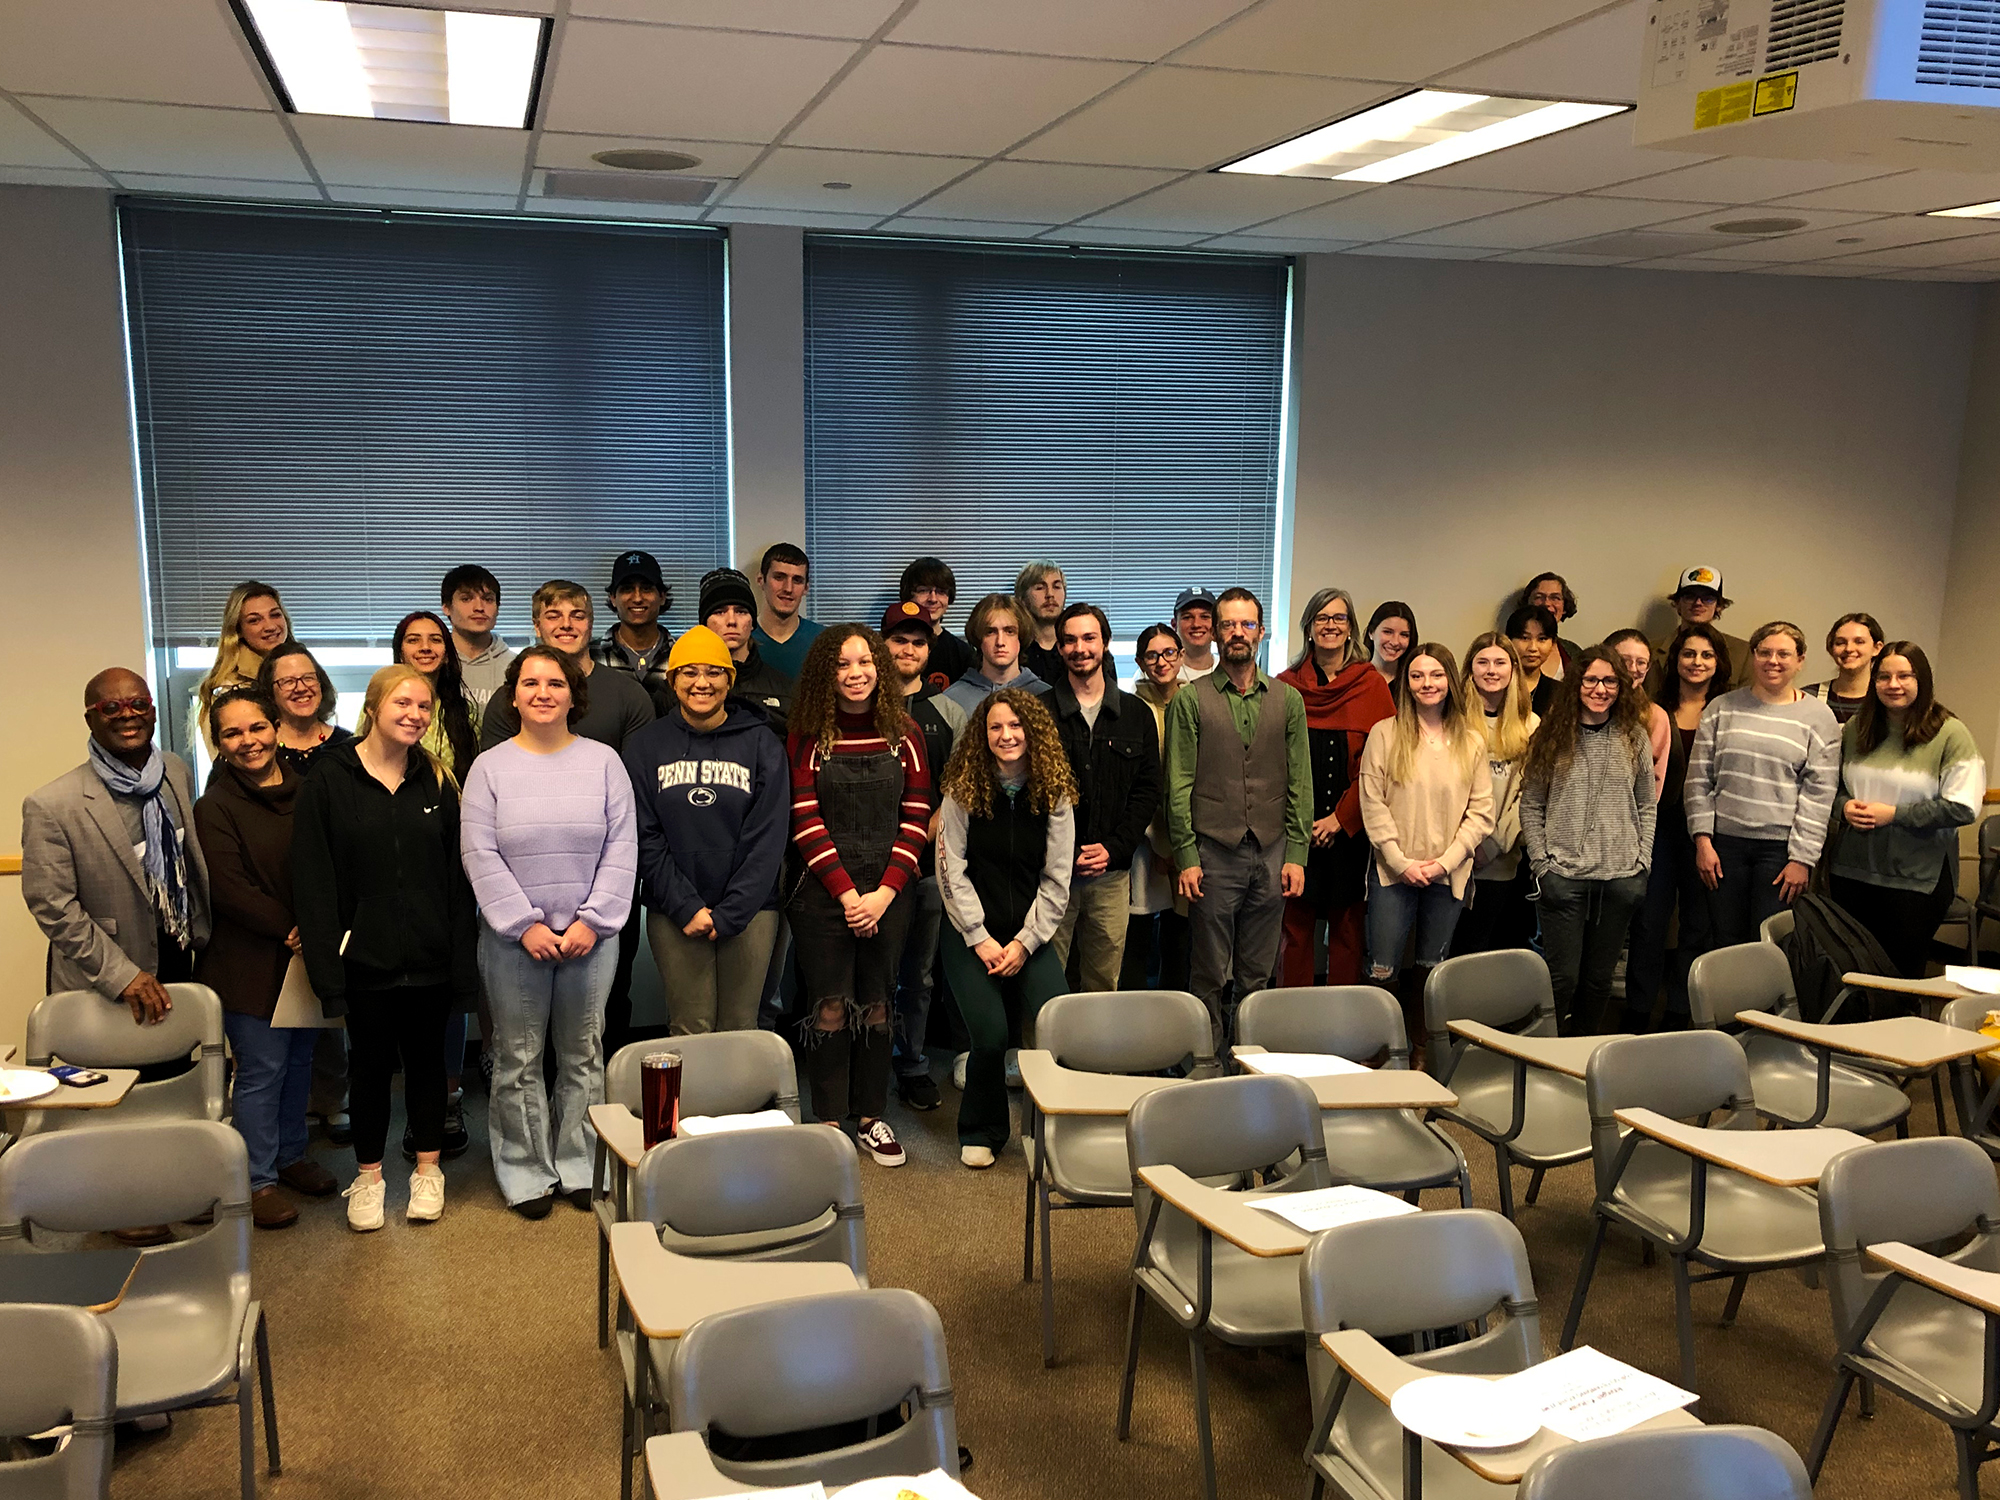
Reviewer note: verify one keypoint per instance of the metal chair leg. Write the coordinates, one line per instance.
(603, 1287)
(1465, 1187)
(271, 1460)
(1028, 1232)
(1867, 1397)
(1131, 1365)
(1937, 1101)
(1583, 1276)
(1829, 1418)
(1735, 1299)
(1048, 1284)
(1684, 1319)
(246, 1434)
(1535, 1185)
(1199, 1359)
(1506, 1181)
(1968, 1464)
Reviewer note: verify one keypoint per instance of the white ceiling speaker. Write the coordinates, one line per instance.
(1888, 83)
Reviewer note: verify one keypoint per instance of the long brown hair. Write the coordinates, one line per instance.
(1508, 732)
(1671, 686)
(817, 701)
(449, 702)
(972, 773)
(1926, 716)
(1554, 744)
(1464, 725)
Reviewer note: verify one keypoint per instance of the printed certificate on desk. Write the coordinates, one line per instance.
(1585, 1394)
(1323, 1208)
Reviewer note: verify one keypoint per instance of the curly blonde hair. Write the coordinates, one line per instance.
(971, 773)
(817, 701)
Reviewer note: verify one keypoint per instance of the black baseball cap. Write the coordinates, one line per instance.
(641, 565)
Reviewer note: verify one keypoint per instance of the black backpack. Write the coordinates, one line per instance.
(1827, 942)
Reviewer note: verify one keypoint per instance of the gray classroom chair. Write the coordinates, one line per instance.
(817, 1362)
(1985, 902)
(1078, 1161)
(1688, 1463)
(783, 1195)
(722, 1073)
(82, 1027)
(1721, 1219)
(1777, 928)
(1410, 1277)
(1391, 1150)
(1216, 1128)
(1937, 1353)
(189, 1332)
(1532, 1117)
(1724, 983)
(1970, 1093)
(69, 1380)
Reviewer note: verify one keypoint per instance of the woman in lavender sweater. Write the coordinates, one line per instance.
(551, 847)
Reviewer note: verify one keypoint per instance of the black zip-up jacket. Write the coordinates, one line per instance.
(1117, 768)
(380, 896)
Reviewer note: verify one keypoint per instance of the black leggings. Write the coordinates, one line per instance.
(1903, 922)
(381, 1026)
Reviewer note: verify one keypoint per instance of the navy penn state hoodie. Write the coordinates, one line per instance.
(714, 816)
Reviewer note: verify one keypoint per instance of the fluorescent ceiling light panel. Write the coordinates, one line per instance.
(1418, 132)
(1970, 211)
(393, 62)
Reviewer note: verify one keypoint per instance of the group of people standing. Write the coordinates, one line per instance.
(810, 824)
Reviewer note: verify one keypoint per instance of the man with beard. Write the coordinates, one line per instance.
(1239, 808)
(1042, 594)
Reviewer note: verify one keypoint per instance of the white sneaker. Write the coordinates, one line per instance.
(958, 1070)
(979, 1158)
(364, 1198)
(426, 1195)
(880, 1142)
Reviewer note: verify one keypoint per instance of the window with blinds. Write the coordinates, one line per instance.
(346, 406)
(1118, 414)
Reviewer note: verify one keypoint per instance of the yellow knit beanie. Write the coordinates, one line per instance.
(700, 646)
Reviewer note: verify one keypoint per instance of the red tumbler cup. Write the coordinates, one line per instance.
(660, 1096)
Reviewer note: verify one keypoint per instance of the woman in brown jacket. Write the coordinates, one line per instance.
(244, 821)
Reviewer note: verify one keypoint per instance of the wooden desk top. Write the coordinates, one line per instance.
(621, 1130)
(1383, 1088)
(94, 1280)
(1559, 1054)
(1067, 1091)
(669, 1293)
(681, 1468)
(1382, 1374)
(1905, 1041)
(1939, 988)
(1980, 1289)
(118, 1083)
(1783, 1158)
(1231, 1215)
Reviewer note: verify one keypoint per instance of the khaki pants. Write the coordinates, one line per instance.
(712, 985)
(1095, 921)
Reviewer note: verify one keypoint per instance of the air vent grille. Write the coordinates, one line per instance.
(626, 187)
(1960, 44)
(1802, 32)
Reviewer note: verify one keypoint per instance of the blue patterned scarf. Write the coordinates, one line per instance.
(162, 859)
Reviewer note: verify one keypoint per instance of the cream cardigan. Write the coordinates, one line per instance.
(1440, 813)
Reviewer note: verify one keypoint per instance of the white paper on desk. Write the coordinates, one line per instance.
(763, 1119)
(298, 1007)
(1324, 1208)
(813, 1491)
(1585, 1394)
(1979, 981)
(1300, 1064)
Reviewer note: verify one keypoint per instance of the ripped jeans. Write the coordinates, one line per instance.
(849, 984)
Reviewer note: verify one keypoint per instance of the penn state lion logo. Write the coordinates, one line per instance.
(701, 796)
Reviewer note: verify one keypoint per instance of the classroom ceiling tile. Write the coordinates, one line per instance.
(830, 18)
(1905, 193)
(1194, 118)
(577, 152)
(1084, 234)
(1221, 201)
(1551, 223)
(1852, 239)
(1953, 252)
(1271, 245)
(614, 79)
(1693, 263)
(1944, 273)
(594, 208)
(1389, 39)
(23, 143)
(1595, 58)
(953, 103)
(1064, 28)
(364, 195)
(176, 138)
(1039, 192)
(52, 177)
(1741, 246)
(964, 229)
(1551, 258)
(1395, 209)
(804, 218)
(1403, 250)
(243, 189)
(1597, 155)
(146, 50)
(878, 182)
(1751, 179)
(407, 154)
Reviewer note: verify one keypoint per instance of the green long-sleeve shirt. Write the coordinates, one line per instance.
(1184, 742)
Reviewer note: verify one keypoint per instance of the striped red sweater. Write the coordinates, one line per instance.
(858, 736)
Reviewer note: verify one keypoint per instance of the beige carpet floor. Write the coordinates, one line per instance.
(460, 1359)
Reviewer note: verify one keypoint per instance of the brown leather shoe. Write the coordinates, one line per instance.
(138, 1239)
(309, 1177)
(270, 1209)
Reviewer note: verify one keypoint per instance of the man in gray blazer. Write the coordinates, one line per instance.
(110, 866)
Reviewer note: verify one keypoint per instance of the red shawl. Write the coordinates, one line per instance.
(1356, 700)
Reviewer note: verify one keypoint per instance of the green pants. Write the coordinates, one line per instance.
(982, 1001)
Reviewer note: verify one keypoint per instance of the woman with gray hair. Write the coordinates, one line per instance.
(1345, 698)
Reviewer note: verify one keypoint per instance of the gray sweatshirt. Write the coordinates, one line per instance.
(1594, 820)
(1765, 771)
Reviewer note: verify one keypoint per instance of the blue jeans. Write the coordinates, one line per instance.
(914, 977)
(1748, 894)
(532, 1151)
(1394, 909)
(273, 1076)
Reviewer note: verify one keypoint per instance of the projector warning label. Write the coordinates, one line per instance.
(1776, 94)
(1724, 106)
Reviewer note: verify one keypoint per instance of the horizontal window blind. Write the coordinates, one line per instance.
(345, 407)
(1118, 414)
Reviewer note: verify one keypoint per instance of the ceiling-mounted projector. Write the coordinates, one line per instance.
(1899, 83)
